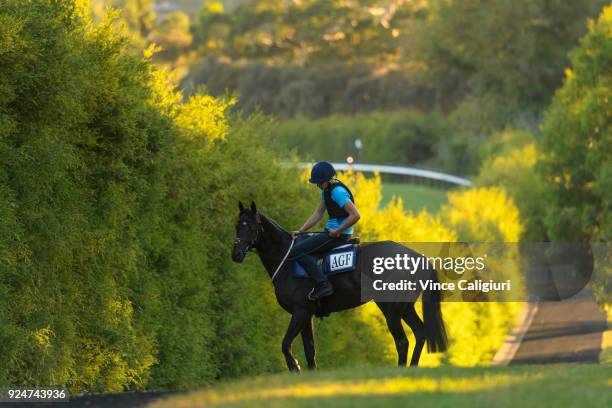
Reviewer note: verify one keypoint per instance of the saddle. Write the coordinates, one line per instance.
(352, 241)
(340, 259)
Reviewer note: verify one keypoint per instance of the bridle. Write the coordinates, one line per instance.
(251, 245)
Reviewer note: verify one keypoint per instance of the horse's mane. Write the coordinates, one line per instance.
(274, 223)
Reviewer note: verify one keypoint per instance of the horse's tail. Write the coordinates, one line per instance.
(432, 318)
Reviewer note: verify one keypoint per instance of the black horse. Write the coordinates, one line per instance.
(254, 231)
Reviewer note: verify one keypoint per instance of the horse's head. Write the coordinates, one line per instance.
(248, 231)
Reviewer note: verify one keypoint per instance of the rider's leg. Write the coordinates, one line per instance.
(312, 268)
(319, 243)
(306, 246)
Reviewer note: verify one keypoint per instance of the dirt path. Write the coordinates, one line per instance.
(569, 331)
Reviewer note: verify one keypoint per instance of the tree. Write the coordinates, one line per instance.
(301, 32)
(577, 141)
(509, 52)
(577, 151)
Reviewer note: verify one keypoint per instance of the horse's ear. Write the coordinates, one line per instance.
(240, 206)
(253, 207)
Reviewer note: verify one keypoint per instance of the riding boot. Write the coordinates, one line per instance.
(322, 289)
(322, 286)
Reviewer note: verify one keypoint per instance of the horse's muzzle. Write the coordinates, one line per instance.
(238, 254)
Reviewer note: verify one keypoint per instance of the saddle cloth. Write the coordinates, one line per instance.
(338, 260)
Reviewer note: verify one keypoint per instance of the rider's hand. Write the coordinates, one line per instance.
(334, 233)
(294, 234)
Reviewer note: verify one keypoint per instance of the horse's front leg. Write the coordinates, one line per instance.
(298, 319)
(309, 345)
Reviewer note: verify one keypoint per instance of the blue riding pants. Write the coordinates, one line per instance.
(315, 243)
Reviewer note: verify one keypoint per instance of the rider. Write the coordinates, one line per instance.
(338, 200)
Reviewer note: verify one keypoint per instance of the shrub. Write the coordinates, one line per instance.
(403, 137)
(118, 206)
(510, 163)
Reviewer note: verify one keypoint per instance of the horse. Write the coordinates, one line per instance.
(256, 232)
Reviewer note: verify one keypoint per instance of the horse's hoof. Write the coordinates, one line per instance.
(296, 368)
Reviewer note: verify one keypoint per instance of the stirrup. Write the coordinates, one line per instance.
(329, 291)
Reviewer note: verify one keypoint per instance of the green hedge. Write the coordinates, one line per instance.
(117, 213)
(401, 137)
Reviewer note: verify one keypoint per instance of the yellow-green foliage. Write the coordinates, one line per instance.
(483, 215)
(577, 147)
(477, 330)
(117, 212)
(523, 157)
(577, 141)
(203, 116)
(511, 158)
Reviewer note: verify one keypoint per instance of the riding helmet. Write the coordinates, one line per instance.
(322, 172)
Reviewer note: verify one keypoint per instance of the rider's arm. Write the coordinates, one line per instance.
(353, 216)
(314, 218)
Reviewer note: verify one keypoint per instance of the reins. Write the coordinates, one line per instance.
(283, 261)
(252, 246)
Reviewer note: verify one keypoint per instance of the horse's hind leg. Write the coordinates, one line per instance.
(309, 346)
(413, 320)
(393, 316)
(298, 319)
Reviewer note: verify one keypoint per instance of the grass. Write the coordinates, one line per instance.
(453, 387)
(416, 197)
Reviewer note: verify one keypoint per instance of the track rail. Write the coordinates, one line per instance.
(401, 171)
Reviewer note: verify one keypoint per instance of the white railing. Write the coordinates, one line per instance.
(400, 170)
